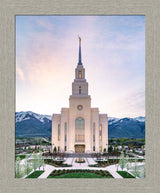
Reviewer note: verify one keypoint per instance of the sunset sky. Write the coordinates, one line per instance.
(113, 55)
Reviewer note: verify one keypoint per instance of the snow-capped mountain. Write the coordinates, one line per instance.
(25, 115)
(141, 119)
(112, 120)
(126, 127)
(30, 124)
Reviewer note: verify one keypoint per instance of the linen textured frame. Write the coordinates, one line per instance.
(8, 10)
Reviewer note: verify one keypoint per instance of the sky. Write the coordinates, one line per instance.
(113, 55)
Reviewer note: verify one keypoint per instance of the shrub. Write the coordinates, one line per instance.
(55, 149)
(97, 172)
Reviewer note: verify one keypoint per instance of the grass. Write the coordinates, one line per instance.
(125, 174)
(35, 174)
(20, 156)
(80, 174)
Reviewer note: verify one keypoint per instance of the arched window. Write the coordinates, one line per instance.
(100, 132)
(65, 132)
(79, 89)
(94, 132)
(80, 75)
(79, 130)
(94, 126)
(59, 132)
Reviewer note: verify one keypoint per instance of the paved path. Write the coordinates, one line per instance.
(112, 169)
(91, 161)
(48, 169)
(69, 161)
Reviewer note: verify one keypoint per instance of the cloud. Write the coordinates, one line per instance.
(131, 103)
(47, 54)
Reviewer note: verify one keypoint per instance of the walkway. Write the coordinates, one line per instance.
(113, 171)
(84, 166)
(69, 161)
(91, 161)
(48, 169)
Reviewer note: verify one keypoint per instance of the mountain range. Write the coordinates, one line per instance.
(126, 127)
(30, 124)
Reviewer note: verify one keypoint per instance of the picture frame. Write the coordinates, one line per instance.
(9, 9)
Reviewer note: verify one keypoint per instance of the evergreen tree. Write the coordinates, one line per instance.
(122, 161)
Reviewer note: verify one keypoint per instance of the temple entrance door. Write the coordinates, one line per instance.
(79, 148)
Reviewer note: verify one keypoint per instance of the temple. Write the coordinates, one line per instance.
(80, 128)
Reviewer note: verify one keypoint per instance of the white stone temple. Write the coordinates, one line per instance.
(80, 128)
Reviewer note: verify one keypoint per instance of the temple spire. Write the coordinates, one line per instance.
(79, 61)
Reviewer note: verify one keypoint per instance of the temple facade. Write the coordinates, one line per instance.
(80, 128)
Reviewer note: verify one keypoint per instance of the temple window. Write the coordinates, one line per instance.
(80, 75)
(80, 90)
(59, 132)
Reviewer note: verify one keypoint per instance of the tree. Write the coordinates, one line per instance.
(122, 161)
(25, 167)
(136, 169)
(142, 172)
(18, 166)
(116, 150)
(104, 150)
(40, 142)
(127, 163)
(55, 149)
(27, 164)
(34, 161)
(118, 141)
(133, 150)
(110, 149)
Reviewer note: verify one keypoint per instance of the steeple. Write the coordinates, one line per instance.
(80, 86)
(79, 60)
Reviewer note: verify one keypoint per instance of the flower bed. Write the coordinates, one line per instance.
(56, 163)
(80, 174)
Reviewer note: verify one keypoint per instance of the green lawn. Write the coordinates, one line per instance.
(80, 174)
(125, 174)
(20, 156)
(35, 174)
